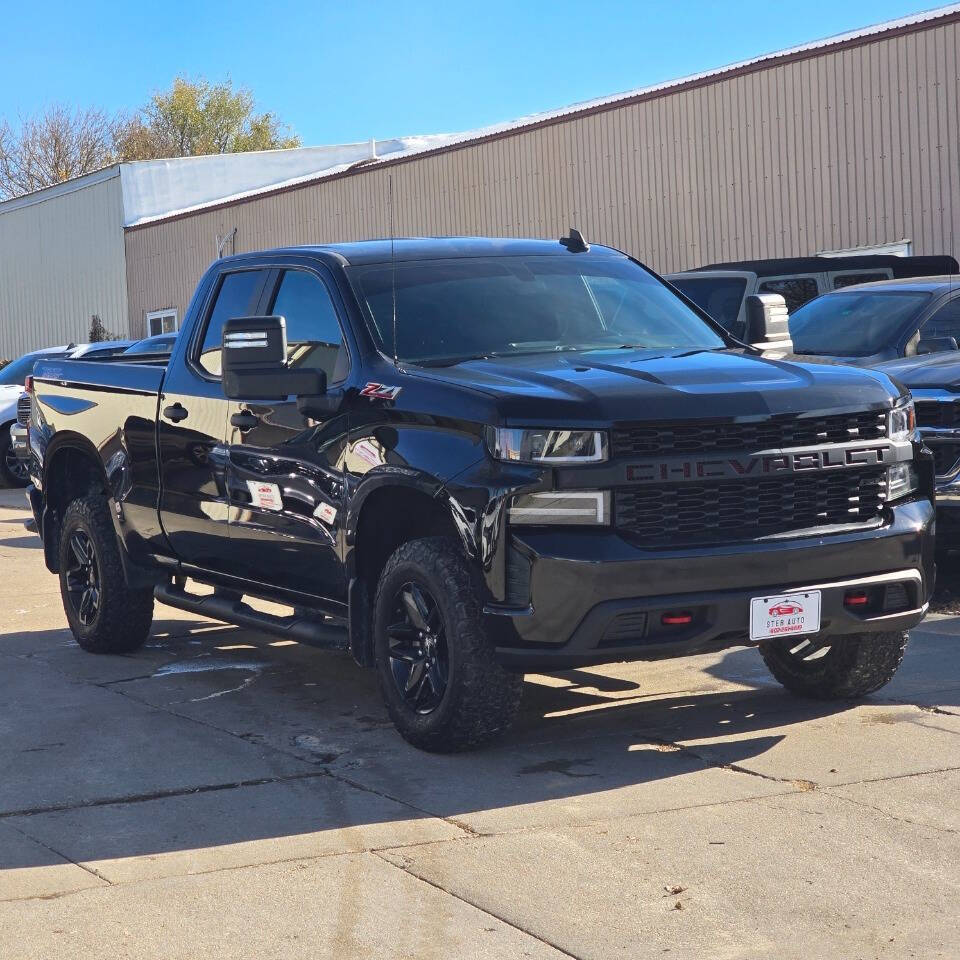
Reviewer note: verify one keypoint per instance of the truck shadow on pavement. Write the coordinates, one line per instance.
(29, 541)
(212, 737)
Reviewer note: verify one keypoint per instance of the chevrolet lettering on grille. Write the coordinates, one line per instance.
(759, 465)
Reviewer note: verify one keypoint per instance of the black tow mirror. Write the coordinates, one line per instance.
(768, 323)
(936, 345)
(254, 362)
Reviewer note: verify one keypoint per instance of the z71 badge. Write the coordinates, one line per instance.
(380, 391)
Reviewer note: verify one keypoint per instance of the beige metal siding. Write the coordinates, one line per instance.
(846, 148)
(61, 261)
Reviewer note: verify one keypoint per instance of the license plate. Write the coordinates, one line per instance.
(784, 614)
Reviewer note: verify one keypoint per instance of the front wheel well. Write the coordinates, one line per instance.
(391, 517)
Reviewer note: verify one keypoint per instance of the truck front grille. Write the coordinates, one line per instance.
(23, 409)
(730, 511)
(945, 457)
(938, 413)
(712, 436)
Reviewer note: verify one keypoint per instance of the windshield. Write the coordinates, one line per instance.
(452, 310)
(855, 324)
(719, 296)
(14, 373)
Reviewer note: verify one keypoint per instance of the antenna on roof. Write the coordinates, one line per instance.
(393, 274)
(575, 242)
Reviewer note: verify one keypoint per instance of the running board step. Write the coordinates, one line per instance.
(316, 632)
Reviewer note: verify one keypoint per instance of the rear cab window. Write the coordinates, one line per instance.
(841, 280)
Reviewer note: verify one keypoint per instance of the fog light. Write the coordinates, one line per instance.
(902, 479)
(676, 618)
(571, 507)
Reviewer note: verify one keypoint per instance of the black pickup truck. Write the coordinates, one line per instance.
(461, 459)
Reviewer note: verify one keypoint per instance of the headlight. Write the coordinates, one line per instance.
(547, 445)
(902, 421)
(569, 507)
(901, 479)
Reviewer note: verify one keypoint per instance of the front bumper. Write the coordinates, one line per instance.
(594, 597)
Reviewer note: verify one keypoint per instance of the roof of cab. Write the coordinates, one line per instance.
(434, 248)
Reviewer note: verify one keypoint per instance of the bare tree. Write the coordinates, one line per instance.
(55, 145)
(193, 117)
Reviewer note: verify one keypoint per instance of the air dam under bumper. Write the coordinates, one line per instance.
(596, 598)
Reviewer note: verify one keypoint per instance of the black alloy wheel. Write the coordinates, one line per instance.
(83, 578)
(16, 467)
(417, 648)
(13, 471)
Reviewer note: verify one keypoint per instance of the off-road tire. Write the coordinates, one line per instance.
(481, 699)
(123, 618)
(7, 478)
(854, 666)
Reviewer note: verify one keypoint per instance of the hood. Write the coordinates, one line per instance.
(600, 387)
(9, 394)
(928, 370)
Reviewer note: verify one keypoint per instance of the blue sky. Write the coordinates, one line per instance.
(347, 71)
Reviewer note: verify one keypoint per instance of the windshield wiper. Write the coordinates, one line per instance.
(451, 361)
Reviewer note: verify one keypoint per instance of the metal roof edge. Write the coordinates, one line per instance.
(61, 189)
(924, 20)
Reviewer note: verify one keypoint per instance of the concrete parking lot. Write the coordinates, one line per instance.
(221, 794)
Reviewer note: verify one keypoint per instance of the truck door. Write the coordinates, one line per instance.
(285, 474)
(192, 425)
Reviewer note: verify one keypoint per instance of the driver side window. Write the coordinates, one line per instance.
(314, 338)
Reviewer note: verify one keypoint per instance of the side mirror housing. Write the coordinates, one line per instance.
(768, 323)
(254, 362)
(936, 345)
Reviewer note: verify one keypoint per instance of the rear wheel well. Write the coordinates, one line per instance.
(71, 473)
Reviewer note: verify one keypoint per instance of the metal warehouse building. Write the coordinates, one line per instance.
(63, 253)
(849, 142)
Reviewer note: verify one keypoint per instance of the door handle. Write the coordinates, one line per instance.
(176, 413)
(244, 420)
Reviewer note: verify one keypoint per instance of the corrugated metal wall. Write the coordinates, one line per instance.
(61, 261)
(846, 148)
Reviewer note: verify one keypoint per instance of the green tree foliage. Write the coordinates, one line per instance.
(196, 117)
(193, 117)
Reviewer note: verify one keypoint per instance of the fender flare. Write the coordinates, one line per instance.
(385, 478)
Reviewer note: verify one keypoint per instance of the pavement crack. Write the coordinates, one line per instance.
(61, 854)
(526, 931)
(113, 683)
(893, 816)
(798, 784)
(938, 710)
(161, 794)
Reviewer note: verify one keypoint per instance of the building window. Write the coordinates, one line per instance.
(161, 321)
